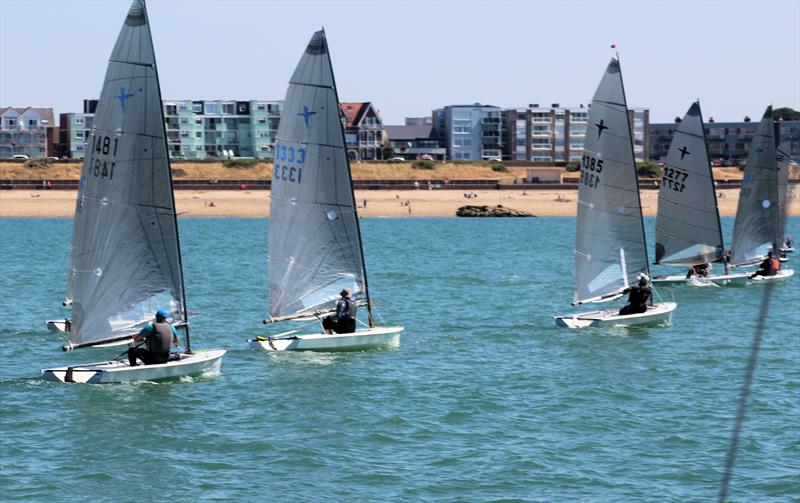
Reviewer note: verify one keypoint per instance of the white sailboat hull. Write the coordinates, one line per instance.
(359, 340)
(657, 314)
(116, 371)
(782, 274)
(716, 279)
(57, 325)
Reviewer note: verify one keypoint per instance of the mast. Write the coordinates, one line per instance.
(636, 174)
(716, 201)
(350, 176)
(171, 189)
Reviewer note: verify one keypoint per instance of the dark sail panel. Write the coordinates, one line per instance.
(314, 242)
(609, 243)
(687, 225)
(124, 256)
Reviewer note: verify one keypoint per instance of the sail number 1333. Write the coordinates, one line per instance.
(590, 171)
(289, 163)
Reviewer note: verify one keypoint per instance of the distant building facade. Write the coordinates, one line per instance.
(728, 142)
(470, 132)
(196, 129)
(557, 134)
(27, 131)
(415, 141)
(210, 129)
(363, 131)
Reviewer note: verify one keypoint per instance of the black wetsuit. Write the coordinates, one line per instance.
(159, 341)
(344, 320)
(637, 300)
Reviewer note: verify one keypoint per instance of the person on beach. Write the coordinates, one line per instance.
(769, 267)
(160, 335)
(638, 296)
(343, 321)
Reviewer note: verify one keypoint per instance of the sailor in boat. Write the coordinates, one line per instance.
(343, 321)
(638, 296)
(769, 267)
(160, 335)
(700, 270)
(788, 242)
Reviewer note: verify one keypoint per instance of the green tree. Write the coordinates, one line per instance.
(786, 113)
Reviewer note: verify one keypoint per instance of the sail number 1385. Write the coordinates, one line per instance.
(590, 171)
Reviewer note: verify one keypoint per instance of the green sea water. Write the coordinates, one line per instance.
(484, 400)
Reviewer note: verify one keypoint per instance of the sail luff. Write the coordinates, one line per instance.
(184, 308)
(353, 198)
(635, 177)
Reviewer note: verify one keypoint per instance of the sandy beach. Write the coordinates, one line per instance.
(379, 203)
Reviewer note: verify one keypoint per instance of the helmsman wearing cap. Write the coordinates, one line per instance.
(160, 335)
(343, 321)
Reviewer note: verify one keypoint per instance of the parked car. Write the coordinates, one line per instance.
(397, 159)
(21, 156)
(493, 159)
(426, 157)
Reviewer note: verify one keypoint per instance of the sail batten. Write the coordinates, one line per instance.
(125, 257)
(315, 243)
(757, 226)
(688, 230)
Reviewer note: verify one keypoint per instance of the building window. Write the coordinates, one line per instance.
(11, 122)
(197, 108)
(184, 134)
(262, 120)
(227, 108)
(78, 134)
(32, 123)
(198, 134)
(261, 107)
(184, 120)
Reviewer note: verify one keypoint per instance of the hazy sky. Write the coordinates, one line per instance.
(410, 57)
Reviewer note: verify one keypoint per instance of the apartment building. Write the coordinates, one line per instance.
(470, 132)
(557, 134)
(210, 129)
(27, 131)
(728, 142)
(196, 129)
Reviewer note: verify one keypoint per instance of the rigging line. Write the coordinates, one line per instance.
(744, 394)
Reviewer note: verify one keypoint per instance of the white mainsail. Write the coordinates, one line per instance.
(610, 250)
(125, 258)
(688, 230)
(314, 238)
(758, 221)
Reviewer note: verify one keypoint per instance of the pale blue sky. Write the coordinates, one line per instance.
(411, 57)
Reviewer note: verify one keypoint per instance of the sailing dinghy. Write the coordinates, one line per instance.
(688, 230)
(610, 249)
(314, 237)
(760, 220)
(125, 254)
